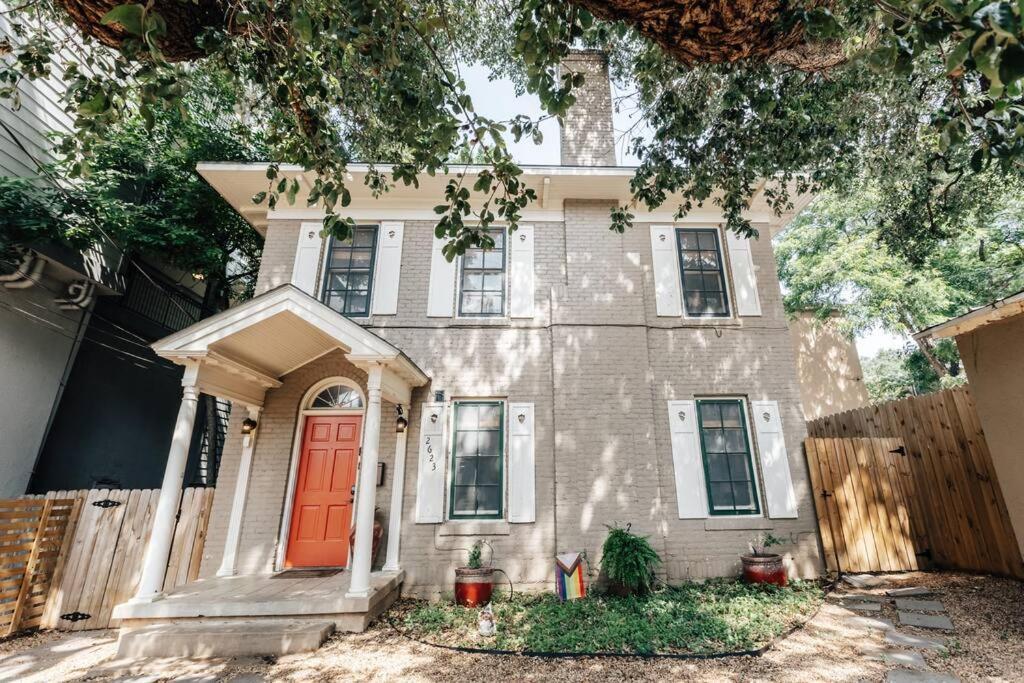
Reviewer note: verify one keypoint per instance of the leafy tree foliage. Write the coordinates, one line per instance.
(142, 191)
(893, 374)
(740, 96)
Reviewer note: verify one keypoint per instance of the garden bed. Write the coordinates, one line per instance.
(713, 617)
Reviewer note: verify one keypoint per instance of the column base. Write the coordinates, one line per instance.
(391, 568)
(224, 573)
(146, 599)
(358, 594)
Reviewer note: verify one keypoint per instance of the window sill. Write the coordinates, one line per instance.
(474, 527)
(736, 523)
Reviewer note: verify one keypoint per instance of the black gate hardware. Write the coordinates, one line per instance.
(825, 493)
(76, 616)
(901, 450)
(106, 503)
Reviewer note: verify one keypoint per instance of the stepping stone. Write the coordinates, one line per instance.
(920, 605)
(910, 676)
(864, 580)
(857, 596)
(937, 621)
(907, 640)
(908, 592)
(873, 623)
(907, 658)
(861, 605)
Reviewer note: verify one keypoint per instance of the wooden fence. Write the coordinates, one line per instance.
(33, 541)
(101, 562)
(943, 482)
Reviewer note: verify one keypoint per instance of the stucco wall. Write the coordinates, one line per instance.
(828, 367)
(599, 365)
(993, 356)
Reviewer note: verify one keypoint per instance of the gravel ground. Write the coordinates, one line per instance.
(988, 645)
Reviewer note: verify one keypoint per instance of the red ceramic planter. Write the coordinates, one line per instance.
(473, 587)
(764, 569)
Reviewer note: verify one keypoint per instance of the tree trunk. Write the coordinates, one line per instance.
(925, 347)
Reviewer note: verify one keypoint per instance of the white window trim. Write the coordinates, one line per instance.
(723, 251)
(450, 458)
(293, 465)
(755, 459)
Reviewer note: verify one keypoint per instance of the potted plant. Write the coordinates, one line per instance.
(761, 566)
(474, 582)
(628, 562)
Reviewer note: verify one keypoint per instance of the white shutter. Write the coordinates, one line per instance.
(388, 268)
(430, 478)
(307, 257)
(691, 494)
(441, 296)
(521, 296)
(778, 483)
(743, 276)
(665, 258)
(521, 464)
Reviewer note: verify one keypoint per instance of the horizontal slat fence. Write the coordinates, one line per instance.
(102, 563)
(34, 536)
(957, 514)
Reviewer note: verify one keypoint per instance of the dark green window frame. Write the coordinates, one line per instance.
(343, 270)
(713, 481)
(702, 270)
(477, 275)
(459, 475)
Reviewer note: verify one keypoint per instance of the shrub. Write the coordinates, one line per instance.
(629, 560)
(475, 559)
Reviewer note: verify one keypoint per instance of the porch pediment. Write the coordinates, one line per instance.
(247, 349)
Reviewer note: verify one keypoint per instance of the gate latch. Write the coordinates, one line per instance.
(901, 450)
(106, 503)
(75, 616)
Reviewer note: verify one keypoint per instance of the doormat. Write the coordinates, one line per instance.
(306, 573)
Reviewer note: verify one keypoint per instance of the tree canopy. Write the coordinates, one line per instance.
(740, 96)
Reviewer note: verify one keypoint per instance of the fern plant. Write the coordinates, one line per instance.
(629, 560)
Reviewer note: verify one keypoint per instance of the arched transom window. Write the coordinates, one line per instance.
(337, 396)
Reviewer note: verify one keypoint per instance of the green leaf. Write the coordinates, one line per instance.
(959, 54)
(303, 27)
(129, 16)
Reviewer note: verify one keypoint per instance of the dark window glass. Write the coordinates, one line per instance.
(728, 466)
(348, 280)
(477, 460)
(700, 261)
(482, 290)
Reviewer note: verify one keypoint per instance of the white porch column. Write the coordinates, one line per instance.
(227, 563)
(367, 494)
(154, 566)
(395, 516)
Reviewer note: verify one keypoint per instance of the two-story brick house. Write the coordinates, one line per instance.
(568, 379)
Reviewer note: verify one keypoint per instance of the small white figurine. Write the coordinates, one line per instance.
(486, 623)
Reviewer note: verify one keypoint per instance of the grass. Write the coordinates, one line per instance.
(700, 618)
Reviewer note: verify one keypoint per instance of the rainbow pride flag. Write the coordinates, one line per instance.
(569, 576)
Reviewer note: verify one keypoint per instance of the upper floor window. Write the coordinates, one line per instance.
(482, 290)
(477, 449)
(728, 465)
(700, 260)
(348, 280)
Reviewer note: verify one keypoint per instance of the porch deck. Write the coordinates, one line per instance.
(269, 596)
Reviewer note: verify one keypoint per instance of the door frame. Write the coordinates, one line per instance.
(296, 453)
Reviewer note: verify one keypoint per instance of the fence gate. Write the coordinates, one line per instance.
(863, 494)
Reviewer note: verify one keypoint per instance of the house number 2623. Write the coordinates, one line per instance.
(430, 454)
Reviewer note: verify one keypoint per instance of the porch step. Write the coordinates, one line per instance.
(206, 638)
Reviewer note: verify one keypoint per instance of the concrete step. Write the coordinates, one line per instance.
(206, 638)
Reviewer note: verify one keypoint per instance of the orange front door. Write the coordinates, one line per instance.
(322, 514)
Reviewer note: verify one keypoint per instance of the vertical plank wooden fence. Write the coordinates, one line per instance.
(943, 481)
(34, 536)
(101, 563)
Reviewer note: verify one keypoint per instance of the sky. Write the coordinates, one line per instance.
(497, 99)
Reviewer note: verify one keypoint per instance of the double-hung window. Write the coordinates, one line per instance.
(482, 290)
(728, 465)
(477, 448)
(703, 272)
(348, 280)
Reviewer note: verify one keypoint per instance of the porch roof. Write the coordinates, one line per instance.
(243, 351)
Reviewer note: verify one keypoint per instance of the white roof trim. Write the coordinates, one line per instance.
(195, 340)
(997, 310)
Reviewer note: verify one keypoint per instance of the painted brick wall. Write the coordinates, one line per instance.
(598, 364)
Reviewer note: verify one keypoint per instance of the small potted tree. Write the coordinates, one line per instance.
(762, 566)
(474, 582)
(628, 562)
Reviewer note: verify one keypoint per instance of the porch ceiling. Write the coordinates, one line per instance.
(251, 346)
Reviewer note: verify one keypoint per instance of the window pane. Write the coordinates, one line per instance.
(714, 442)
(688, 238)
(488, 470)
(710, 415)
(467, 417)
(731, 415)
(490, 303)
(493, 282)
(734, 441)
(364, 238)
(728, 463)
(477, 460)
(490, 416)
(706, 239)
(467, 443)
(718, 467)
(474, 258)
(488, 443)
(738, 467)
(493, 259)
(488, 498)
(464, 500)
(471, 303)
(721, 496)
(743, 495)
(472, 281)
(465, 471)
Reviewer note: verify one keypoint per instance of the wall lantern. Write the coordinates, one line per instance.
(401, 424)
(248, 425)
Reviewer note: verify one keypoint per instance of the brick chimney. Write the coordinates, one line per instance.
(588, 138)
